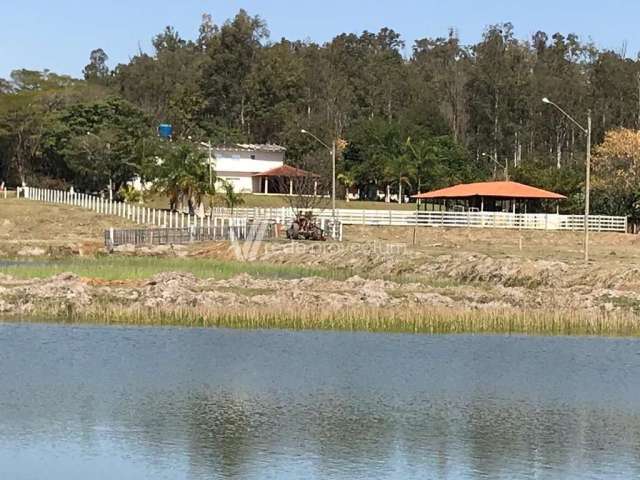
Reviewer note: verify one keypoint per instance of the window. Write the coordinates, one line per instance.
(253, 157)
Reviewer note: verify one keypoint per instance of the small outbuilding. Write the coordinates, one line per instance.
(286, 180)
(503, 196)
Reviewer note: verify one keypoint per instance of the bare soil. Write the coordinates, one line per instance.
(410, 280)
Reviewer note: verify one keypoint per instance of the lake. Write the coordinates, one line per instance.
(170, 403)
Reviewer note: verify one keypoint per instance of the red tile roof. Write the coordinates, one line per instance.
(491, 189)
(286, 171)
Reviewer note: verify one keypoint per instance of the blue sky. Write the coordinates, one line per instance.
(60, 34)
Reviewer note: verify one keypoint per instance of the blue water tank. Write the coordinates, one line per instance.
(165, 130)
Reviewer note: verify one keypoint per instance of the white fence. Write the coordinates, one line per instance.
(157, 217)
(135, 213)
(163, 218)
(528, 221)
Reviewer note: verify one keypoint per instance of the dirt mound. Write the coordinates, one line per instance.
(32, 252)
(63, 291)
(507, 272)
(172, 280)
(544, 289)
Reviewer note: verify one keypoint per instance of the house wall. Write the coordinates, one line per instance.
(241, 161)
(242, 182)
(238, 167)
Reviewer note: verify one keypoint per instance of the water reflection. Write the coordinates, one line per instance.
(195, 404)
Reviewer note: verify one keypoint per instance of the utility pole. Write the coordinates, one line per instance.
(110, 173)
(587, 191)
(333, 181)
(587, 182)
(333, 151)
(210, 148)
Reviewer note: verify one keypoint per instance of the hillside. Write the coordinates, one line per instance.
(32, 226)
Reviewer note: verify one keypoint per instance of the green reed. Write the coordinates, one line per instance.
(135, 268)
(409, 320)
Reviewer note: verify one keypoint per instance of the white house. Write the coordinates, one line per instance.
(241, 163)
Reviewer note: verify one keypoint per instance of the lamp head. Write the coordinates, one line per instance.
(546, 100)
(303, 131)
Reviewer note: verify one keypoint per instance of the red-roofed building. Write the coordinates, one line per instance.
(489, 196)
(281, 180)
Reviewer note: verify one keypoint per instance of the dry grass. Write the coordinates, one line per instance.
(30, 221)
(425, 321)
(605, 248)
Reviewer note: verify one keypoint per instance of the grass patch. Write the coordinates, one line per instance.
(136, 268)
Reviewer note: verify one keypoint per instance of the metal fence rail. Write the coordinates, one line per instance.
(528, 221)
(224, 229)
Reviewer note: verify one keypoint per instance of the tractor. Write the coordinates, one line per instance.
(303, 228)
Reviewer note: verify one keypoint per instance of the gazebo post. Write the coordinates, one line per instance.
(315, 188)
(290, 186)
(266, 184)
(482, 204)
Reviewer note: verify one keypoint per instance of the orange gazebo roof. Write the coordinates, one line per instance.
(491, 189)
(286, 171)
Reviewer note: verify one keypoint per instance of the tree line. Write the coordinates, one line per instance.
(409, 117)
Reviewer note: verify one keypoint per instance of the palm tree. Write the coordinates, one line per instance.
(420, 156)
(231, 198)
(182, 175)
(348, 179)
(396, 170)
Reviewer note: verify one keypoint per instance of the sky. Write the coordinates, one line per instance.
(59, 34)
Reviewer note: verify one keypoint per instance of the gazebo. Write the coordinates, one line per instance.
(281, 180)
(489, 196)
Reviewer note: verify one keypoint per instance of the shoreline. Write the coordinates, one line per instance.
(452, 281)
(413, 293)
(433, 321)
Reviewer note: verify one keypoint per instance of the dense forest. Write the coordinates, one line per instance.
(422, 116)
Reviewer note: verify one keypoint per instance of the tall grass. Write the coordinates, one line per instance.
(408, 320)
(133, 268)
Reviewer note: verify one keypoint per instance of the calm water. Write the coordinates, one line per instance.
(128, 403)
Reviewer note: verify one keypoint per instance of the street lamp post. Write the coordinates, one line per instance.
(210, 148)
(332, 150)
(587, 182)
